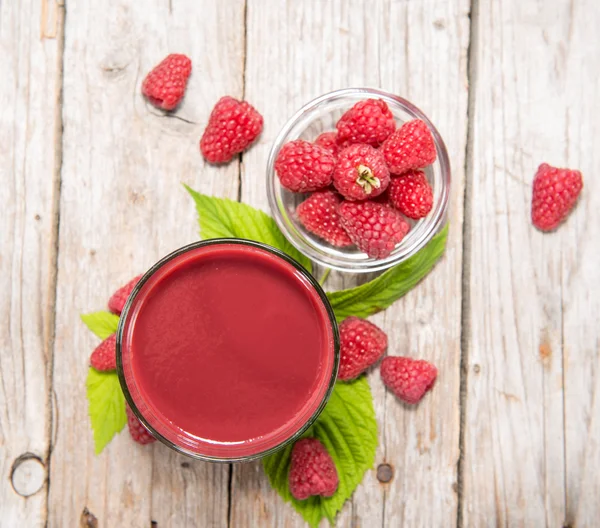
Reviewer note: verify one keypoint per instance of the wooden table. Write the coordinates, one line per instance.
(90, 195)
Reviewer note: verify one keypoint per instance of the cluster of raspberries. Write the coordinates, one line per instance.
(366, 183)
(232, 126)
(362, 344)
(366, 178)
(104, 359)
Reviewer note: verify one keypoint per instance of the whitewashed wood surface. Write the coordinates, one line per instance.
(90, 193)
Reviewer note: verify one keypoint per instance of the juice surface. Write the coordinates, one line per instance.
(229, 344)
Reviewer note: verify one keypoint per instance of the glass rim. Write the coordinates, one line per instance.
(434, 221)
(306, 275)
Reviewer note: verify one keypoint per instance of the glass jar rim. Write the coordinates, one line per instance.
(432, 223)
(311, 281)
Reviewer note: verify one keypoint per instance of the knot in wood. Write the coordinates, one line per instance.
(28, 474)
(385, 473)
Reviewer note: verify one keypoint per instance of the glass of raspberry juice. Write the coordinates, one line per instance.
(227, 350)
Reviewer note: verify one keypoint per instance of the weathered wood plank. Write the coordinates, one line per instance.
(534, 97)
(423, 54)
(578, 58)
(297, 51)
(31, 47)
(122, 208)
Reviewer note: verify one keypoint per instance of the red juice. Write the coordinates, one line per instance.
(227, 350)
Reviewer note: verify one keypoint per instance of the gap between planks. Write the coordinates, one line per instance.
(61, 13)
(465, 329)
(239, 199)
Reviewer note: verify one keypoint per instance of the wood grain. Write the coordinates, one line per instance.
(297, 51)
(122, 208)
(578, 57)
(531, 334)
(425, 62)
(29, 96)
(534, 100)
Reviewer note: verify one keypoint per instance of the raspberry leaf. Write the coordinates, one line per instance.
(106, 406)
(103, 324)
(223, 218)
(348, 429)
(388, 287)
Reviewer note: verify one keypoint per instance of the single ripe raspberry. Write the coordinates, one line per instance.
(104, 356)
(360, 173)
(138, 432)
(117, 301)
(411, 194)
(303, 166)
(375, 228)
(165, 85)
(328, 140)
(555, 192)
(369, 121)
(361, 345)
(409, 147)
(232, 127)
(312, 470)
(318, 213)
(407, 378)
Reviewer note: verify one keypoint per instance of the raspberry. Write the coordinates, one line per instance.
(312, 470)
(328, 140)
(411, 194)
(555, 192)
(383, 198)
(375, 228)
(138, 432)
(360, 173)
(369, 121)
(319, 215)
(407, 378)
(232, 127)
(117, 301)
(409, 147)
(303, 166)
(361, 345)
(104, 356)
(165, 85)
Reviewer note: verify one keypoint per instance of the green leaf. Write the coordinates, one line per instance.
(381, 292)
(348, 429)
(102, 324)
(106, 406)
(223, 218)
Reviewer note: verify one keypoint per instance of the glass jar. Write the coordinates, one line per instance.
(210, 350)
(321, 115)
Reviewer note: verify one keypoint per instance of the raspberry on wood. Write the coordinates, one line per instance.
(165, 85)
(409, 379)
(361, 344)
(555, 193)
(232, 127)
